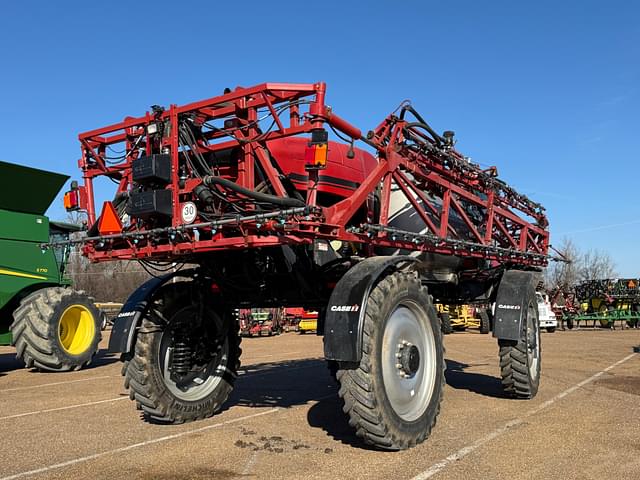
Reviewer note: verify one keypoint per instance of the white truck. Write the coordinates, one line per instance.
(546, 316)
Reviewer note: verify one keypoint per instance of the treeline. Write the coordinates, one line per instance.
(107, 281)
(580, 266)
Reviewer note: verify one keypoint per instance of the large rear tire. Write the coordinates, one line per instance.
(520, 360)
(393, 395)
(206, 343)
(56, 329)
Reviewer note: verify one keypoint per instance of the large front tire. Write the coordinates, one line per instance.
(170, 332)
(56, 329)
(393, 395)
(520, 360)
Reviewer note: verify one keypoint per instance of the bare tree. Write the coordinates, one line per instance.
(106, 282)
(580, 267)
(597, 265)
(564, 275)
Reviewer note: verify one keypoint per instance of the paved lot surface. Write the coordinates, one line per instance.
(284, 420)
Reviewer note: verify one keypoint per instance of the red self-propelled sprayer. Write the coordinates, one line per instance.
(248, 190)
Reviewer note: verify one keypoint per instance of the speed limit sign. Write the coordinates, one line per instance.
(189, 212)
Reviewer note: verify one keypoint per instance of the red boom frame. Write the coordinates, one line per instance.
(499, 224)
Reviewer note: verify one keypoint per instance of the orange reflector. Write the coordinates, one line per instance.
(316, 155)
(320, 156)
(71, 200)
(109, 222)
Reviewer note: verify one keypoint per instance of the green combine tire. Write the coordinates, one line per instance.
(56, 329)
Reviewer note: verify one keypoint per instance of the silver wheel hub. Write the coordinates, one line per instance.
(409, 361)
(408, 357)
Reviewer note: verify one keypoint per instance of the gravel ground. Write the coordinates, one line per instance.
(284, 419)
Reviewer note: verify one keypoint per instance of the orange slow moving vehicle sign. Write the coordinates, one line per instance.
(109, 222)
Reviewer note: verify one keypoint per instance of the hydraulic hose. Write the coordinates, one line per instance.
(438, 139)
(261, 197)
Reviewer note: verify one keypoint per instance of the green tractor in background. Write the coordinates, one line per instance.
(52, 326)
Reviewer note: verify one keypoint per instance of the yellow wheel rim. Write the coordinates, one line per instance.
(77, 329)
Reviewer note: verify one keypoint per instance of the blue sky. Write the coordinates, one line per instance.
(548, 91)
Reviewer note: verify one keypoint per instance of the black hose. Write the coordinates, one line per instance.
(423, 123)
(261, 197)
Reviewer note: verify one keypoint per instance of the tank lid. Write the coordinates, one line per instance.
(28, 190)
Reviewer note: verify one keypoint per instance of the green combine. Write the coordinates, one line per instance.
(52, 326)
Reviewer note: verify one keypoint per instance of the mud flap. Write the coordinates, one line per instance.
(513, 293)
(345, 312)
(126, 322)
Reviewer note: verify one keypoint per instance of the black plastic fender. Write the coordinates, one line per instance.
(345, 312)
(125, 324)
(514, 291)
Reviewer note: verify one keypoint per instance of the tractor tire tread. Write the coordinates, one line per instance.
(36, 339)
(356, 389)
(159, 406)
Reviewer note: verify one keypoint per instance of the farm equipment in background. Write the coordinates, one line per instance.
(291, 318)
(263, 191)
(605, 302)
(109, 311)
(259, 322)
(563, 305)
(52, 326)
(308, 322)
(461, 317)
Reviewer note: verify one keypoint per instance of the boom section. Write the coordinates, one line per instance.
(255, 167)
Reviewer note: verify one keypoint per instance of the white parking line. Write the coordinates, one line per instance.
(135, 445)
(5, 390)
(149, 442)
(464, 451)
(98, 402)
(68, 407)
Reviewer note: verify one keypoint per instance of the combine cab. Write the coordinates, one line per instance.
(52, 326)
(265, 192)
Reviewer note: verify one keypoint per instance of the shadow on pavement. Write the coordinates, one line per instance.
(282, 384)
(297, 382)
(327, 415)
(9, 362)
(458, 378)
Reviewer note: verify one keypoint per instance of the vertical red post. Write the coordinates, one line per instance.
(444, 216)
(488, 234)
(175, 147)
